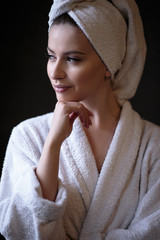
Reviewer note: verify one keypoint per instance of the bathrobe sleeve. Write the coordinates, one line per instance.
(146, 222)
(24, 213)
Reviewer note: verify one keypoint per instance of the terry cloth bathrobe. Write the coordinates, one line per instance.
(122, 202)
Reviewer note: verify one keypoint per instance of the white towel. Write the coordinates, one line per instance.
(116, 32)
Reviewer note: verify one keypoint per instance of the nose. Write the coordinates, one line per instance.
(57, 70)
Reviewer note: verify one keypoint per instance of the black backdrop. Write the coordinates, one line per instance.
(25, 88)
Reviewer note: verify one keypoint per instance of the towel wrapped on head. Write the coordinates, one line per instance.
(115, 30)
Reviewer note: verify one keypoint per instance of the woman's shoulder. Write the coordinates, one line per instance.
(33, 127)
(151, 129)
(38, 122)
(151, 138)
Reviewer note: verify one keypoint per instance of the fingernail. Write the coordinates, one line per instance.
(91, 114)
(86, 125)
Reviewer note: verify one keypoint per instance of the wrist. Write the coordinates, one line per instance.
(53, 142)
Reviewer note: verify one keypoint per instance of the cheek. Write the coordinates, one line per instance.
(82, 78)
(90, 76)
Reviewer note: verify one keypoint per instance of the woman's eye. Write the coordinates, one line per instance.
(51, 57)
(73, 59)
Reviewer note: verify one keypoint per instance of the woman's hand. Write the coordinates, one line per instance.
(64, 116)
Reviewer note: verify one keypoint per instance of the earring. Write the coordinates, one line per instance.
(108, 74)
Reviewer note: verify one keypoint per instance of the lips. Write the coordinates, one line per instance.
(61, 88)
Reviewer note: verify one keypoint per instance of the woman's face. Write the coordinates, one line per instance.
(75, 70)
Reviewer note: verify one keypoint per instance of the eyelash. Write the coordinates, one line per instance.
(73, 59)
(69, 59)
(49, 56)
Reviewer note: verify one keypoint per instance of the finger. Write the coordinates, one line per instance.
(85, 114)
(86, 117)
(82, 117)
(74, 109)
(73, 117)
(90, 113)
(89, 117)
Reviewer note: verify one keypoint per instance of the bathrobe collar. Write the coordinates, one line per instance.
(115, 172)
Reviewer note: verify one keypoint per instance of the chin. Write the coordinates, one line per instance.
(68, 99)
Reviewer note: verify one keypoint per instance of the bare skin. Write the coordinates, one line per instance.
(83, 89)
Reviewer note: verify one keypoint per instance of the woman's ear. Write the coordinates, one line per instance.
(107, 74)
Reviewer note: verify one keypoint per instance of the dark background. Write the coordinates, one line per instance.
(25, 89)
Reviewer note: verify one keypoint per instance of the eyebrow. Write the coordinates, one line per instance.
(69, 52)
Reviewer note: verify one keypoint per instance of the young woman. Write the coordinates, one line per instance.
(91, 169)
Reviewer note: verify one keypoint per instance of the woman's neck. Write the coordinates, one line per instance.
(105, 109)
(106, 113)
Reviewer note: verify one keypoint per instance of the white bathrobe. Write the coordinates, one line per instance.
(120, 203)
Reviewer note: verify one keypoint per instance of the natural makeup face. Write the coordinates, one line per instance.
(75, 70)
